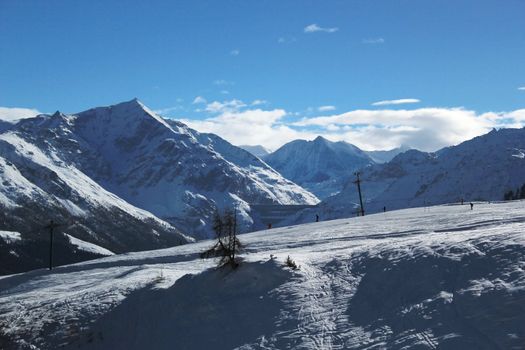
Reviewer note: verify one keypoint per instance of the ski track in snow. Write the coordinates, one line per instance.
(442, 276)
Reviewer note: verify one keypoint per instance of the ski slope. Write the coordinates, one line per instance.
(425, 278)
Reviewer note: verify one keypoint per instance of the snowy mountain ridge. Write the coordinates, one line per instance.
(257, 150)
(124, 158)
(321, 166)
(483, 168)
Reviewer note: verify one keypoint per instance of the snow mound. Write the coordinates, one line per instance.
(244, 300)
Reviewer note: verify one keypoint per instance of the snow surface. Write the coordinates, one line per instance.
(88, 247)
(437, 277)
(256, 150)
(10, 237)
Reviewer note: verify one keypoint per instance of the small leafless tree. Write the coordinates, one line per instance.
(227, 245)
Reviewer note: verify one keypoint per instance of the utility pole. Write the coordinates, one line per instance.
(358, 182)
(51, 227)
(234, 232)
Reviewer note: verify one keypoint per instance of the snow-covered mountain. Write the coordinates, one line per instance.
(39, 183)
(479, 169)
(444, 277)
(386, 156)
(157, 165)
(320, 166)
(257, 150)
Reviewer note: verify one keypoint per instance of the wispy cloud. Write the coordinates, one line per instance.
(326, 108)
(225, 106)
(167, 110)
(199, 100)
(522, 88)
(286, 40)
(373, 41)
(13, 114)
(396, 102)
(259, 102)
(222, 82)
(313, 28)
(235, 52)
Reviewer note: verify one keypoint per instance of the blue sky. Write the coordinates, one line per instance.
(293, 59)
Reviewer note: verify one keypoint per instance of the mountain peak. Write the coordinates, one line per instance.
(133, 108)
(319, 139)
(58, 114)
(131, 104)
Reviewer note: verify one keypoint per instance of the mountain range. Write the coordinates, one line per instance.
(481, 169)
(122, 178)
(320, 166)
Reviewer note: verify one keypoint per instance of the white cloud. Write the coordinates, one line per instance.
(235, 52)
(13, 114)
(312, 28)
(427, 129)
(326, 108)
(251, 127)
(396, 102)
(199, 100)
(225, 106)
(259, 102)
(522, 88)
(374, 41)
(225, 92)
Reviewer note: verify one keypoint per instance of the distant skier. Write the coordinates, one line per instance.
(462, 201)
(269, 226)
(316, 217)
(471, 206)
(384, 209)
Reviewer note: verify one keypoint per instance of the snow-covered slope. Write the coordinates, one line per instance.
(39, 183)
(321, 166)
(257, 150)
(127, 152)
(479, 169)
(440, 277)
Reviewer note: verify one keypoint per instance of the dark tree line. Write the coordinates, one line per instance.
(511, 195)
(227, 245)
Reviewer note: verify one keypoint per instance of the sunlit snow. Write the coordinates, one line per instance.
(443, 276)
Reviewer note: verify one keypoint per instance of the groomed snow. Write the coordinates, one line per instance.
(438, 277)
